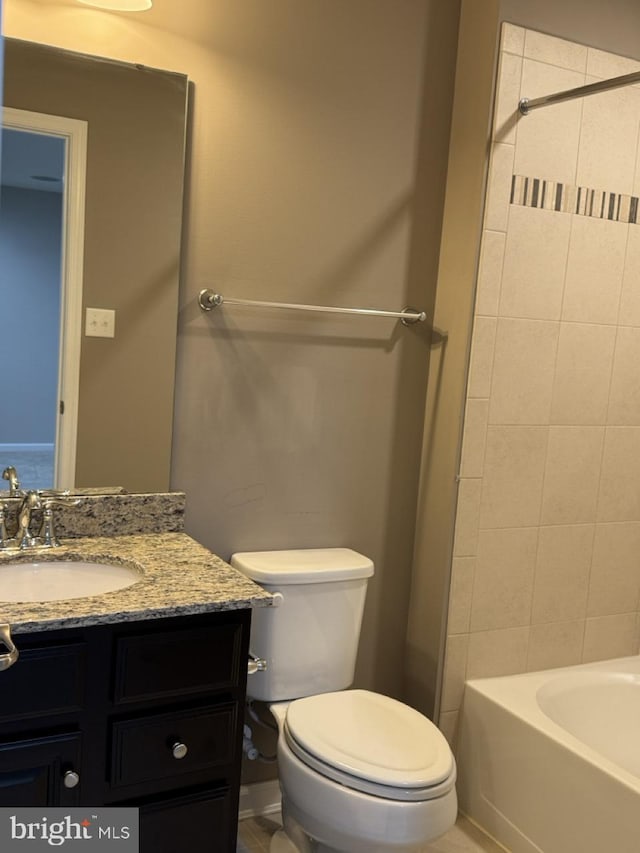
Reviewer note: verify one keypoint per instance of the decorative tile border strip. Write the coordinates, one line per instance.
(566, 198)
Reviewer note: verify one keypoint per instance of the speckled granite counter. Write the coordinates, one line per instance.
(179, 577)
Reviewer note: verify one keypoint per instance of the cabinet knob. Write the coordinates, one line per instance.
(179, 750)
(71, 779)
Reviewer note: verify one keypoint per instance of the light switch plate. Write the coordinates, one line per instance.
(100, 323)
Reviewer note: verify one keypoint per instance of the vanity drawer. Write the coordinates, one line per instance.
(44, 681)
(143, 748)
(177, 663)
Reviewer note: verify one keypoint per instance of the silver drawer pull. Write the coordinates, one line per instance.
(11, 657)
(255, 665)
(70, 779)
(179, 750)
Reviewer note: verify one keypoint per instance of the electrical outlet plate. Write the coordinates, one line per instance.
(100, 323)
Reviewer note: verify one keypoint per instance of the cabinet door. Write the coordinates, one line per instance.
(198, 823)
(59, 671)
(32, 772)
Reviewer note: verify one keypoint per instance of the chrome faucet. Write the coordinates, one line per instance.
(11, 475)
(24, 538)
(33, 501)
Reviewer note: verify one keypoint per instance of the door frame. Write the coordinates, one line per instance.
(74, 132)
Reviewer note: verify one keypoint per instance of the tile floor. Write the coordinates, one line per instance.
(254, 835)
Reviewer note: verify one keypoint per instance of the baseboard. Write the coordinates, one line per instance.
(12, 447)
(259, 798)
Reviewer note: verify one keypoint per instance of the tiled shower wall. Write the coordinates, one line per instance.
(546, 568)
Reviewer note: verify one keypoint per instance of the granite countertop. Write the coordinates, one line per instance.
(180, 577)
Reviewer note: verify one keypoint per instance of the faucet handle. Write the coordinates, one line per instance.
(48, 536)
(4, 536)
(49, 502)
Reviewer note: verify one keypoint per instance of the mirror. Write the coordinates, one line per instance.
(136, 120)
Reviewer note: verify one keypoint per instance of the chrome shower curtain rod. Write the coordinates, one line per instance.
(526, 105)
(208, 299)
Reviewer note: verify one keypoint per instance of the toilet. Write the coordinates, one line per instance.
(359, 772)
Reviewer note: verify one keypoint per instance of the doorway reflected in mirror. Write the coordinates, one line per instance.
(41, 250)
(32, 174)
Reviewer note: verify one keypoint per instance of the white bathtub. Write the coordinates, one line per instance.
(550, 761)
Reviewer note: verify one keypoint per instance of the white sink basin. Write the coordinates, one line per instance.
(57, 580)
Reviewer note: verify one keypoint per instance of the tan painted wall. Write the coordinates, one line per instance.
(132, 251)
(318, 161)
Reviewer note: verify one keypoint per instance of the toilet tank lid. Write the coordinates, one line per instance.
(309, 565)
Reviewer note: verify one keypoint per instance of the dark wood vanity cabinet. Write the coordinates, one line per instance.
(147, 714)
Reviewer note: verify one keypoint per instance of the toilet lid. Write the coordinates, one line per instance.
(372, 743)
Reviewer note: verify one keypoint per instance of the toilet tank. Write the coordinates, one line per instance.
(309, 637)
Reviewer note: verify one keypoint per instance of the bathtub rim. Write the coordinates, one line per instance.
(517, 695)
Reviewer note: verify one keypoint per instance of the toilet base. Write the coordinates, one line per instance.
(292, 838)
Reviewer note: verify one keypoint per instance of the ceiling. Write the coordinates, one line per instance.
(200, 20)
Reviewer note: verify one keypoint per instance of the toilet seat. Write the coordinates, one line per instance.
(338, 735)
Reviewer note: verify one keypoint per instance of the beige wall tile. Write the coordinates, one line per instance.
(502, 652)
(630, 296)
(572, 474)
(499, 187)
(619, 495)
(538, 152)
(608, 140)
(490, 272)
(540, 597)
(556, 644)
(455, 669)
(512, 38)
(609, 637)
(467, 516)
(513, 475)
(507, 98)
(523, 371)
(596, 255)
(601, 63)
(460, 594)
(555, 51)
(562, 573)
(503, 584)
(474, 437)
(583, 374)
(534, 263)
(614, 585)
(624, 400)
(481, 364)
